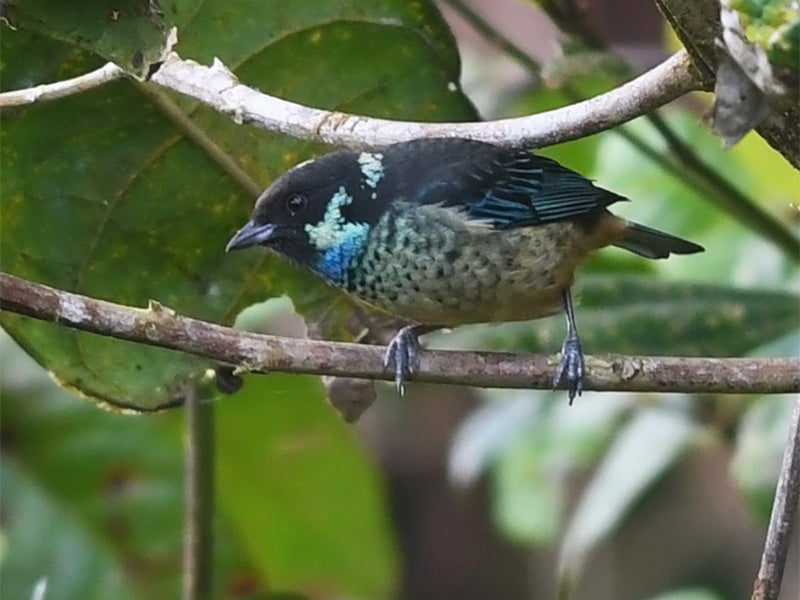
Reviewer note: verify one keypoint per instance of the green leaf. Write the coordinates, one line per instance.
(488, 431)
(301, 507)
(775, 180)
(87, 495)
(760, 441)
(639, 314)
(688, 594)
(775, 26)
(528, 494)
(641, 452)
(131, 34)
(71, 562)
(294, 484)
(734, 252)
(105, 195)
(539, 454)
(786, 345)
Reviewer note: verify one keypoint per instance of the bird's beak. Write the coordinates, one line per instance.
(250, 235)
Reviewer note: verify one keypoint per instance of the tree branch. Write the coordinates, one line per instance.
(160, 326)
(219, 88)
(784, 512)
(61, 89)
(697, 24)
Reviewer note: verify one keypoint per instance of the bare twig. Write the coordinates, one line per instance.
(784, 512)
(60, 89)
(160, 326)
(198, 564)
(219, 88)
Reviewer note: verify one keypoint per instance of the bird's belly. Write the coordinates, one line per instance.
(453, 276)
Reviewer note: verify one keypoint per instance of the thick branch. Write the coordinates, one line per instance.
(219, 88)
(160, 326)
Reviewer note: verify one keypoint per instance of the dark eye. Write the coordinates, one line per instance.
(296, 203)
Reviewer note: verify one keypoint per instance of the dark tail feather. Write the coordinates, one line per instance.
(652, 243)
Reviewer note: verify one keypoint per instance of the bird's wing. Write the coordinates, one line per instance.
(515, 189)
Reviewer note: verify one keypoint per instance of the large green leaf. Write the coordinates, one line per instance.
(640, 314)
(294, 484)
(70, 562)
(697, 593)
(734, 251)
(533, 447)
(132, 34)
(105, 195)
(532, 476)
(91, 500)
(644, 449)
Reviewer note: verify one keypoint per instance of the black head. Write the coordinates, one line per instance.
(313, 206)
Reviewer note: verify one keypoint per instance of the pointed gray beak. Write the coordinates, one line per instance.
(250, 235)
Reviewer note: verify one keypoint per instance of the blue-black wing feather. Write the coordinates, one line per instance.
(509, 188)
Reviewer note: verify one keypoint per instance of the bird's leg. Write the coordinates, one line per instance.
(570, 366)
(401, 353)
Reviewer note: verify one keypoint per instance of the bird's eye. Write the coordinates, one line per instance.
(296, 203)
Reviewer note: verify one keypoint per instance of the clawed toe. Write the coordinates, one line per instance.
(570, 368)
(401, 355)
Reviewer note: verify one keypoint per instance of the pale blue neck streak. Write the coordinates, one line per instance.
(334, 263)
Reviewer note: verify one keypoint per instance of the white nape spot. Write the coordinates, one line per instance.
(371, 168)
(329, 232)
(73, 309)
(451, 86)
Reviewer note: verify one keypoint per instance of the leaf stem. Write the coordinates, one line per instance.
(198, 567)
(184, 124)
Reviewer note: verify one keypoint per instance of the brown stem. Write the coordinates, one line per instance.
(161, 326)
(198, 565)
(784, 513)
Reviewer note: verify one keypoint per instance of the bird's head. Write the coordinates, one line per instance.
(318, 213)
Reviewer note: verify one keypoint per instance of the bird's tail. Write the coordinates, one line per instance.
(652, 243)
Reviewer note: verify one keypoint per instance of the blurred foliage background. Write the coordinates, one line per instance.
(444, 493)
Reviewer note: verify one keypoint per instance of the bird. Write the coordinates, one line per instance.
(443, 232)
